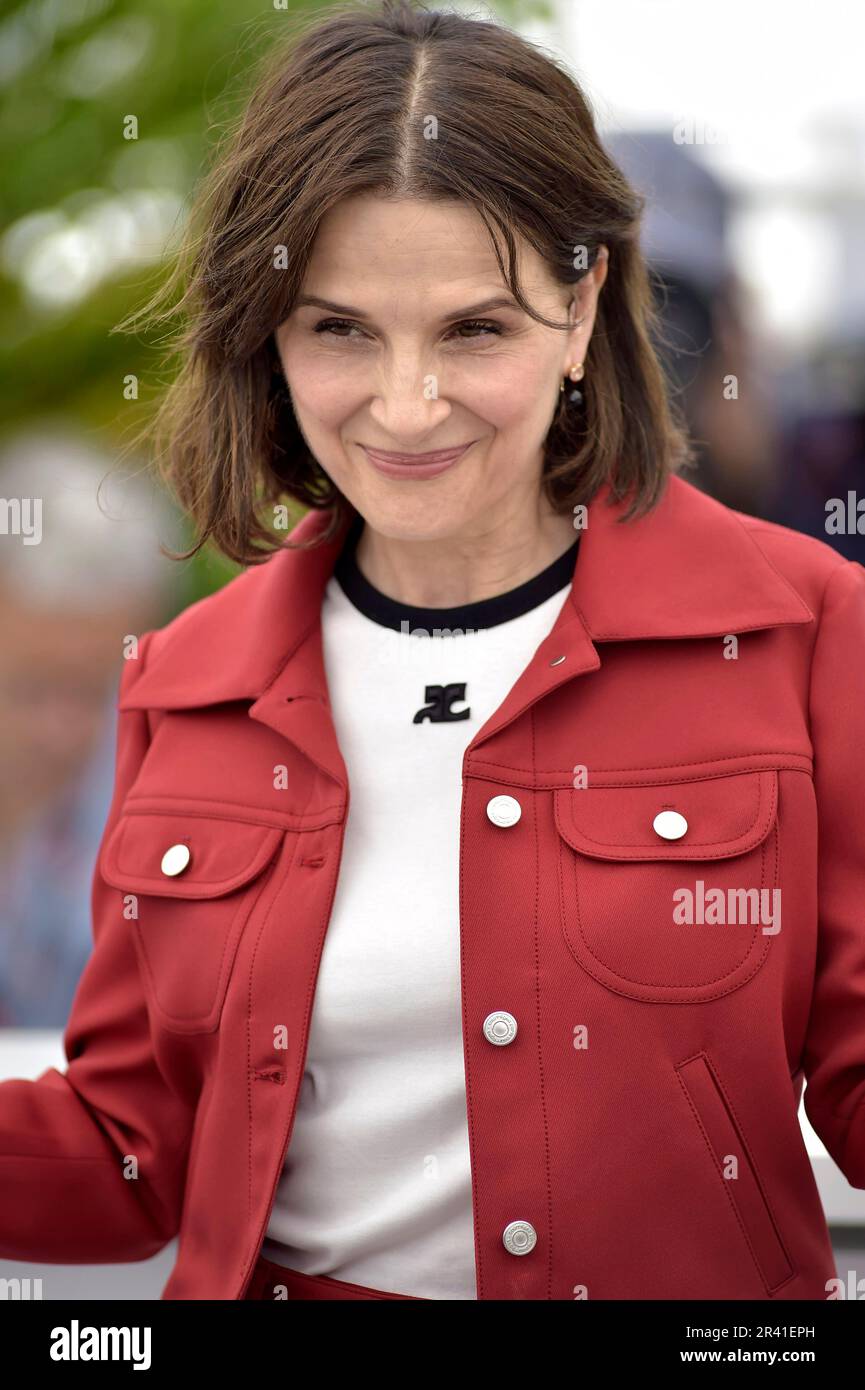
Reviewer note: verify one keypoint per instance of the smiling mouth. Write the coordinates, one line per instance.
(434, 456)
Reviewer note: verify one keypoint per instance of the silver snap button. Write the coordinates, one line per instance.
(504, 810)
(175, 860)
(557, 661)
(500, 1028)
(520, 1237)
(669, 825)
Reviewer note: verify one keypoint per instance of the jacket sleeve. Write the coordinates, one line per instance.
(69, 1190)
(834, 1053)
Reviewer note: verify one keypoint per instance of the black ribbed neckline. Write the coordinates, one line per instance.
(487, 612)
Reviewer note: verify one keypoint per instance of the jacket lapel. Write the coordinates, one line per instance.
(689, 568)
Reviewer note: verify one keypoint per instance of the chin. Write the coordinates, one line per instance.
(417, 520)
(414, 509)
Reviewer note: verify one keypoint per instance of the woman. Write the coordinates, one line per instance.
(439, 942)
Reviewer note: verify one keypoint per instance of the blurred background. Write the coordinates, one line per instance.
(744, 126)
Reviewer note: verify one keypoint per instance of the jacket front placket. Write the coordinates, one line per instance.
(506, 913)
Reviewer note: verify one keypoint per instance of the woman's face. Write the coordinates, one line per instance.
(398, 354)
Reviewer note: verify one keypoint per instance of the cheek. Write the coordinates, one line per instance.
(320, 398)
(516, 394)
(318, 390)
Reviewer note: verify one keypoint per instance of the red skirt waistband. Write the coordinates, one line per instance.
(274, 1282)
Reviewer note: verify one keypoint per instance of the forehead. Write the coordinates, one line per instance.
(369, 247)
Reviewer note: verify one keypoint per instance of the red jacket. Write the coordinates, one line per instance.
(644, 1118)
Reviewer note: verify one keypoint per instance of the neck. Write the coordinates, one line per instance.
(453, 570)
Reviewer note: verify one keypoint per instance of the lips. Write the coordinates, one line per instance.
(406, 468)
(435, 455)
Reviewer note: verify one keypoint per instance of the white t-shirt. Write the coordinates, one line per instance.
(376, 1187)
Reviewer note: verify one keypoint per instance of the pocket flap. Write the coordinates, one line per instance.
(223, 854)
(725, 816)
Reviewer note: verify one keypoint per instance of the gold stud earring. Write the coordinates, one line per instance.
(574, 395)
(576, 373)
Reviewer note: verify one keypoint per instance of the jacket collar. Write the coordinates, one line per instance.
(689, 568)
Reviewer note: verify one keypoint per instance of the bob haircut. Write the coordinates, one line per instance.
(342, 108)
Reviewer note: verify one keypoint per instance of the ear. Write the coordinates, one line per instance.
(584, 309)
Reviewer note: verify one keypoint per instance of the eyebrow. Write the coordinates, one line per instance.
(471, 311)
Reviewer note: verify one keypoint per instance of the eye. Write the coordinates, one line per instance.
(474, 328)
(479, 326)
(332, 325)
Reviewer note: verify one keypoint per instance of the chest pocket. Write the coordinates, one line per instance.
(671, 920)
(189, 885)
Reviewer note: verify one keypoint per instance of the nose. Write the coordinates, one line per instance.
(407, 407)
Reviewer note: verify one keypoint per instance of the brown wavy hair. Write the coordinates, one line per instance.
(340, 109)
